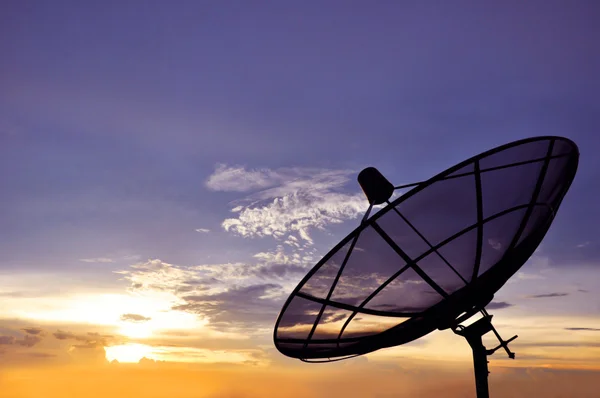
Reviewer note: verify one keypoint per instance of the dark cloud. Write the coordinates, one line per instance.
(585, 329)
(32, 330)
(62, 335)
(89, 340)
(498, 305)
(7, 340)
(267, 271)
(41, 355)
(239, 306)
(398, 308)
(134, 318)
(549, 295)
(217, 292)
(280, 270)
(583, 291)
(189, 286)
(29, 340)
(92, 340)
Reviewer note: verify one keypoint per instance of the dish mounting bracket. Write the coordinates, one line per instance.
(473, 334)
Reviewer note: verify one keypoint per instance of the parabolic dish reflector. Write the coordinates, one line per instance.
(439, 251)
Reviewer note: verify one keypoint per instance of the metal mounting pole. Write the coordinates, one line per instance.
(473, 334)
(480, 365)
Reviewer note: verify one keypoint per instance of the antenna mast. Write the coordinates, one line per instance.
(473, 334)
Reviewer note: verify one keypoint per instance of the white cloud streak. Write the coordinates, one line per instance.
(238, 179)
(289, 200)
(97, 260)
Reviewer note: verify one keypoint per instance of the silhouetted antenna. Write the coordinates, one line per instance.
(432, 258)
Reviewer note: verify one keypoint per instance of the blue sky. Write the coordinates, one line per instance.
(129, 131)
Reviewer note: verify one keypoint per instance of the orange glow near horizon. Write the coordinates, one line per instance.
(137, 381)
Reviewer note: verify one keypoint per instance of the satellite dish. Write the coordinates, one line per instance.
(432, 258)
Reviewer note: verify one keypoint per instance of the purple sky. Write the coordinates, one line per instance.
(127, 126)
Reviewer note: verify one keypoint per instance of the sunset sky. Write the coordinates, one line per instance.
(169, 171)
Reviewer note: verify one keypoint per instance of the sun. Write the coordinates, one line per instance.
(128, 352)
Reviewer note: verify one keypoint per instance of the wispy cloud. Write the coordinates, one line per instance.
(32, 330)
(498, 305)
(88, 340)
(134, 318)
(202, 230)
(236, 307)
(281, 256)
(584, 329)
(27, 341)
(298, 212)
(495, 244)
(63, 335)
(41, 355)
(7, 340)
(87, 347)
(97, 260)
(230, 297)
(548, 295)
(239, 179)
(288, 201)
(158, 275)
(526, 276)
